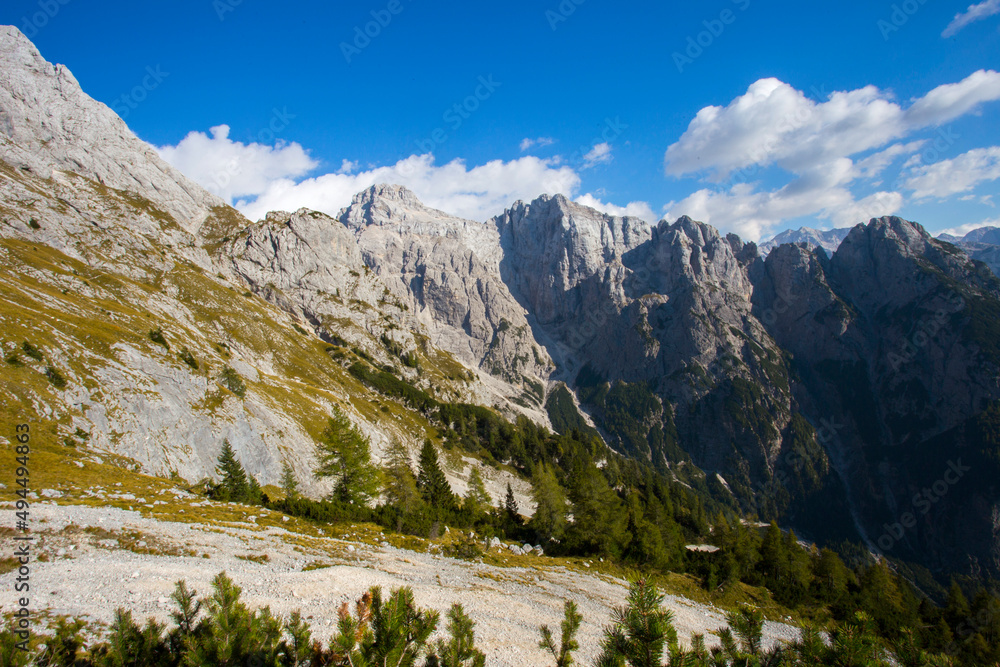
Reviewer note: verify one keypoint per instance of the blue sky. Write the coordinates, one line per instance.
(754, 116)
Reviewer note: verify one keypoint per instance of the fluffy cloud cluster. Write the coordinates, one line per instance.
(774, 124)
(266, 180)
(231, 169)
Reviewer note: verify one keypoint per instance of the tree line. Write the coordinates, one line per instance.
(590, 502)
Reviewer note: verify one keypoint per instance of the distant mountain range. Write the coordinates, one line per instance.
(829, 240)
(851, 393)
(982, 244)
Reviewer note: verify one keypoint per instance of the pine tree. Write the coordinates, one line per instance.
(563, 653)
(231, 634)
(598, 522)
(289, 484)
(477, 500)
(773, 557)
(128, 644)
(830, 576)
(431, 481)
(401, 486)
(549, 520)
(297, 652)
(957, 609)
(459, 649)
(390, 632)
(748, 625)
(511, 510)
(640, 632)
(646, 543)
(344, 454)
(233, 484)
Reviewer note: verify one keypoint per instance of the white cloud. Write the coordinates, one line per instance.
(258, 179)
(541, 142)
(475, 193)
(775, 124)
(960, 174)
(875, 164)
(347, 167)
(756, 214)
(637, 209)
(951, 100)
(816, 144)
(599, 154)
(232, 169)
(971, 15)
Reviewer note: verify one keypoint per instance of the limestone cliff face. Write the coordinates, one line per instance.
(446, 271)
(47, 122)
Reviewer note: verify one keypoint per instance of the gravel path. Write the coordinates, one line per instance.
(90, 575)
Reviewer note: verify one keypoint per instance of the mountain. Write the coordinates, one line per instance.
(982, 244)
(147, 319)
(849, 393)
(829, 239)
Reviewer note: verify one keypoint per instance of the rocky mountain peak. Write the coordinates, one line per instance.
(48, 123)
(908, 236)
(386, 205)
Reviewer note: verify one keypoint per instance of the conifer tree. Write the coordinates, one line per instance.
(549, 520)
(389, 632)
(477, 500)
(344, 454)
(640, 632)
(645, 544)
(233, 485)
(563, 653)
(431, 481)
(400, 483)
(598, 523)
(459, 649)
(289, 484)
(510, 507)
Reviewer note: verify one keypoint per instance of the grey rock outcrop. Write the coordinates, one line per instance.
(47, 122)
(446, 270)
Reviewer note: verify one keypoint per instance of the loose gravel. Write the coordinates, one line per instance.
(86, 577)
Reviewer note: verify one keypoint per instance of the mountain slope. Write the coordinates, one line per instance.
(156, 341)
